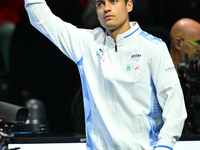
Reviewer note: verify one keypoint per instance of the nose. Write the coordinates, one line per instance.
(107, 6)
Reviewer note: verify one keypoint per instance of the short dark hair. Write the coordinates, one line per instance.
(124, 0)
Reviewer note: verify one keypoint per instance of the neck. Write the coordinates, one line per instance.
(115, 32)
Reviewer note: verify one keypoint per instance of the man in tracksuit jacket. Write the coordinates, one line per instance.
(132, 95)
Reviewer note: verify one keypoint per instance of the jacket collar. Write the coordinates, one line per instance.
(134, 28)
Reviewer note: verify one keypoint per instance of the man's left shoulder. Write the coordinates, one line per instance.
(149, 37)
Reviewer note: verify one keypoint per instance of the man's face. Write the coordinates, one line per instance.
(113, 14)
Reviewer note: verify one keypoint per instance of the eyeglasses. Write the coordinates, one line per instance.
(194, 43)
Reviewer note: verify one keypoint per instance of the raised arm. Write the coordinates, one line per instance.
(64, 35)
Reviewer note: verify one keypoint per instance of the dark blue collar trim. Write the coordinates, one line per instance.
(132, 32)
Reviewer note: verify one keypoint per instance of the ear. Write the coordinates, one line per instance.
(129, 6)
(177, 43)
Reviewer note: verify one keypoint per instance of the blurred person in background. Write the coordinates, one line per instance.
(10, 13)
(185, 52)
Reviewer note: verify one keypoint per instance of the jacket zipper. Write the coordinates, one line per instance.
(115, 47)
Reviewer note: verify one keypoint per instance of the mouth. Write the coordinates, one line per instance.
(108, 17)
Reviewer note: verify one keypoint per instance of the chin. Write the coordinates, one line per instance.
(110, 27)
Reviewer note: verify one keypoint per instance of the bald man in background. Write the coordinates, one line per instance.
(184, 38)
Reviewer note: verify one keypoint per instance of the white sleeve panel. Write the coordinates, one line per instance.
(170, 96)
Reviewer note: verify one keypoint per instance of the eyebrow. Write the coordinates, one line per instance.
(99, 1)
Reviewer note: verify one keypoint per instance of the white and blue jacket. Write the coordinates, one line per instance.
(132, 95)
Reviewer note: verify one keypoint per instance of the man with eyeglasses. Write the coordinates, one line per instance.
(185, 48)
(185, 39)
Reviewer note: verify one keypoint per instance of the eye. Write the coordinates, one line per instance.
(114, 1)
(99, 4)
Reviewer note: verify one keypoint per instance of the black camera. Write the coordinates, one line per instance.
(13, 113)
(10, 115)
(189, 75)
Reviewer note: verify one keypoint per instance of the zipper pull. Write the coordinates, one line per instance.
(115, 47)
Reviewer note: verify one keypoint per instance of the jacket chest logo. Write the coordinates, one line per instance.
(136, 57)
(100, 54)
(134, 63)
